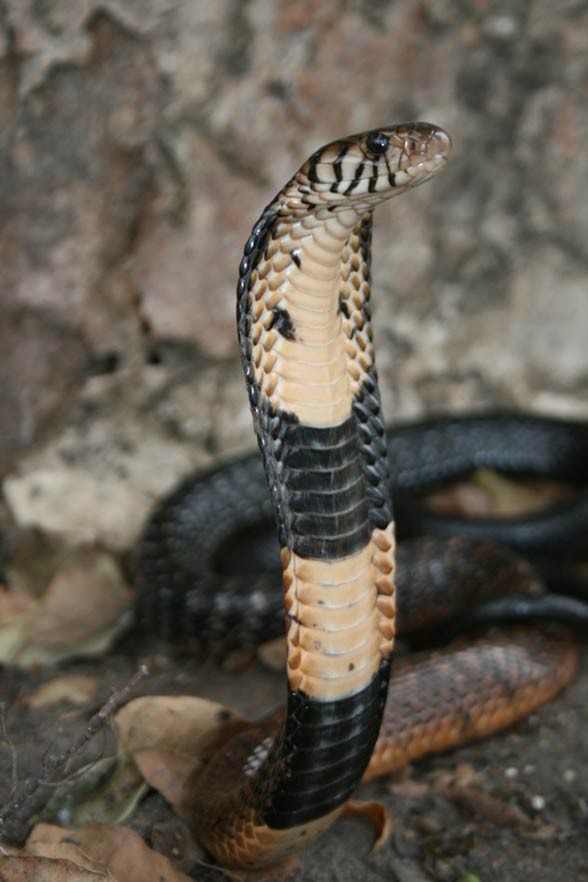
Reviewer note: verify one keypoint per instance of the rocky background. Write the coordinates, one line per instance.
(139, 141)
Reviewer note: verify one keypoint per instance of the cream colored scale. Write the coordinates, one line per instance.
(308, 374)
(341, 618)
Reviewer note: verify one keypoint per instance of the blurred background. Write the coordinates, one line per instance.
(140, 140)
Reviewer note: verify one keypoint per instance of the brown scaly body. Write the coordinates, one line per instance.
(438, 700)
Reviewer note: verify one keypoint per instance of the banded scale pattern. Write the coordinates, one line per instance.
(308, 357)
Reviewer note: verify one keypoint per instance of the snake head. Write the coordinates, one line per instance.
(364, 169)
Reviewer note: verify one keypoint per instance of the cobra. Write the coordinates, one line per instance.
(304, 322)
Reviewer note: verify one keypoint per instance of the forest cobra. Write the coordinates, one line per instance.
(304, 327)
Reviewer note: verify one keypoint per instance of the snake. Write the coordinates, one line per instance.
(304, 327)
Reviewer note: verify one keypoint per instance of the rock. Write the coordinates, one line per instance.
(139, 142)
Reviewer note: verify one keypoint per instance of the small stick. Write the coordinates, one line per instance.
(18, 814)
(11, 748)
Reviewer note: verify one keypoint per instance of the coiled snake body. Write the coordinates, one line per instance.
(304, 328)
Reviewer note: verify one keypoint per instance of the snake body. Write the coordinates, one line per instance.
(304, 329)
(208, 559)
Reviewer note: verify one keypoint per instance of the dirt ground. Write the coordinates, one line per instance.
(511, 808)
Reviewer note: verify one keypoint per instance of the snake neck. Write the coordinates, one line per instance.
(297, 341)
(304, 320)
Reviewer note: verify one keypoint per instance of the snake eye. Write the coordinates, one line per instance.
(377, 143)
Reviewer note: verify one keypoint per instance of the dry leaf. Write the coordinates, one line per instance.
(490, 808)
(461, 775)
(273, 654)
(27, 868)
(179, 723)
(237, 660)
(13, 633)
(463, 499)
(508, 498)
(167, 737)
(107, 791)
(402, 783)
(488, 492)
(167, 772)
(75, 689)
(120, 850)
(12, 603)
(69, 851)
(156, 735)
(377, 814)
(16, 608)
(86, 605)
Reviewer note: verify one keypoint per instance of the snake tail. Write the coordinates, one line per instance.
(303, 313)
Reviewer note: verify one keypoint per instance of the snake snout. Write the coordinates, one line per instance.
(439, 144)
(426, 142)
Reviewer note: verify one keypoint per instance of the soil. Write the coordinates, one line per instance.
(513, 807)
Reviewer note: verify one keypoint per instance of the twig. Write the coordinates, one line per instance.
(18, 814)
(11, 750)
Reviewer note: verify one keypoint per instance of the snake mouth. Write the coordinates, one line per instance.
(431, 153)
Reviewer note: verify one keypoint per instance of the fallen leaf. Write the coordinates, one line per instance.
(16, 608)
(12, 603)
(120, 850)
(463, 499)
(475, 801)
(273, 654)
(160, 736)
(107, 791)
(84, 608)
(462, 775)
(237, 660)
(488, 492)
(75, 689)
(13, 633)
(58, 851)
(377, 814)
(86, 604)
(507, 497)
(168, 737)
(544, 833)
(167, 771)
(403, 784)
(180, 723)
(27, 868)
